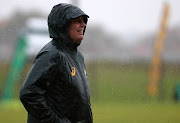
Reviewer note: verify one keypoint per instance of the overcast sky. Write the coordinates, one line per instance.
(120, 16)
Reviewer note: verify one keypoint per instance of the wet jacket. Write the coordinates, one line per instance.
(56, 89)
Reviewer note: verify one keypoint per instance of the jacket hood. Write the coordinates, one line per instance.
(58, 22)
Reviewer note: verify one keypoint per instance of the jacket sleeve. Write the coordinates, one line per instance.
(33, 92)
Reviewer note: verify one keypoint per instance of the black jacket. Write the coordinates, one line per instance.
(56, 89)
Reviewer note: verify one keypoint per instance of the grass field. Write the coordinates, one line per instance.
(136, 113)
(109, 113)
(119, 83)
(119, 95)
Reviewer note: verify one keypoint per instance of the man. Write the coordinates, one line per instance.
(56, 89)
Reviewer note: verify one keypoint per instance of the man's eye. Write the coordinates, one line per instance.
(79, 21)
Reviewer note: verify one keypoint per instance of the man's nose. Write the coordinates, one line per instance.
(82, 23)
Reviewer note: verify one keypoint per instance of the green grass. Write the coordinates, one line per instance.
(12, 111)
(117, 82)
(129, 82)
(136, 113)
(108, 113)
(119, 95)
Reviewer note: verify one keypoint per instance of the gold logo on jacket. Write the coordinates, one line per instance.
(73, 72)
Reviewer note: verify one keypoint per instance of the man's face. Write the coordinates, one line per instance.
(76, 29)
